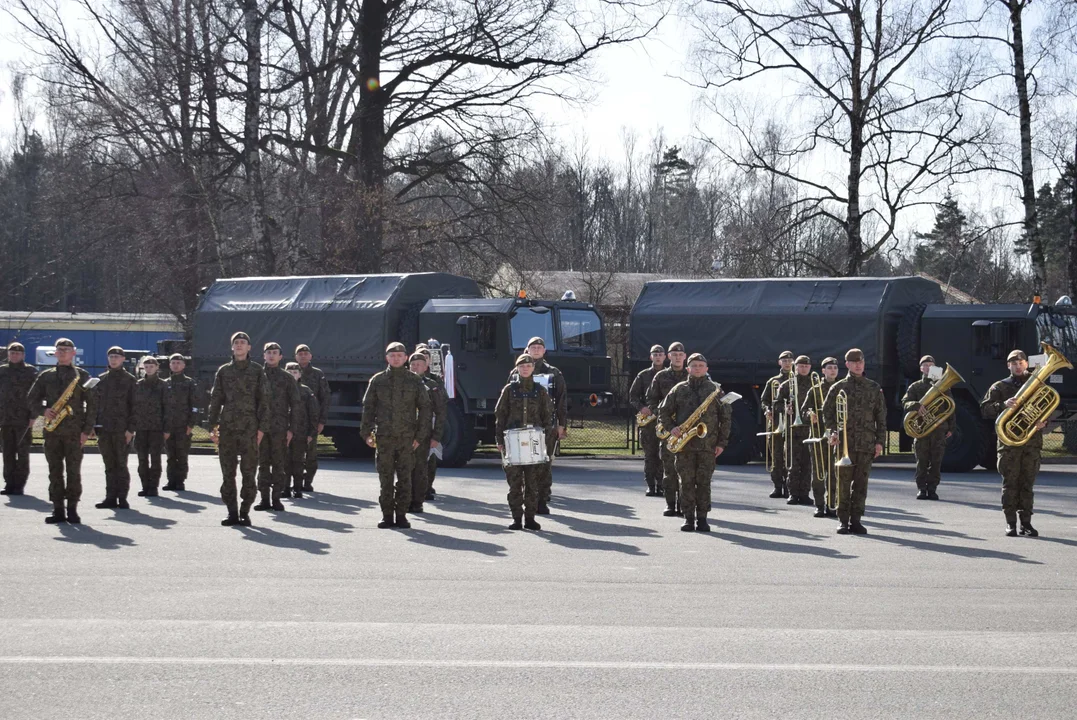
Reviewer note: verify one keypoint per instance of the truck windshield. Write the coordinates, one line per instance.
(530, 322)
(1058, 326)
(580, 329)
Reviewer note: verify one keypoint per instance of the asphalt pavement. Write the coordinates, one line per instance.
(609, 612)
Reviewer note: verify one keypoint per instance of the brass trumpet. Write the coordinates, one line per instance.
(1033, 403)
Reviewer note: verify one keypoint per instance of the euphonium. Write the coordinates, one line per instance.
(62, 406)
(691, 427)
(1033, 403)
(938, 406)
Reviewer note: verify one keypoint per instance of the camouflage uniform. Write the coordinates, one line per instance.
(1017, 465)
(441, 396)
(695, 463)
(663, 382)
(150, 431)
(63, 446)
(558, 393)
(819, 483)
(115, 418)
(798, 474)
(652, 459)
(179, 415)
(16, 379)
(430, 430)
(397, 405)
(314, 378)
(306, 422)
(768, 399)
(522, 403)
(273, 470)
(930, 448)
(239, 406)
(866, 429)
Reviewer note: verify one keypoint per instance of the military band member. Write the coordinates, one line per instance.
(768, 400)
(63, 446)
(930, 448)
(637, 396)
(663, 382)
(16, 379)
(798, 474)
(522, 403)
(179, 422)
(1018, 465)
(558, 392)
(306, 430)
(819, 483)
(866, 430)
(439, 396)
(115, 427)
(149, 426)
(273, 470)
(395, 405)
(695, 463)
(315, 380)
(239, 416)
(430, 431)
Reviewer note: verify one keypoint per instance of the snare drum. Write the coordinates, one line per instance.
(525, 446)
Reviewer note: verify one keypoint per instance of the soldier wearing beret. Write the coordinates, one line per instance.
(396, 406)
(820, 483)
(430, 431)
(930, 448)
(695, 463)
(866, 430)
(115, 427)
(768, 399)
(439, 396)
(273, 470)
(798, 477)
(150, 408)
(637, 396)
(661, 385)
(523, 403)
(63, 445)
(306, 432)
(1017, 465)
(16, 379)
(315, 380)
(179, 422)
(239, 416)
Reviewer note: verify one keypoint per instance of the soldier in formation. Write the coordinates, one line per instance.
(306, 430)
(150, 404)
(768, 399)
(430, 431)
(115, 428)
(930, 448)
(523, 403)
(815, 401)
(179, 422)
(273, 473)
(554, 382)
(792, 406)
(439, 396)
(648, 440)
(315, 380)
(663, 382)
(16, 379)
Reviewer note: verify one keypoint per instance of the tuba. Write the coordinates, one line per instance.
(1033, 403)
(691, 427)
(938, 405)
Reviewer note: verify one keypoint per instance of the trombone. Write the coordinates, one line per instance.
(820, 449)
(771, 431)
(841, 411)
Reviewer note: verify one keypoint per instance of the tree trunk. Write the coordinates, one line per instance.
(252, 158)
(854, 249)
(1028, 186)
(1073, 230)
(370, 208)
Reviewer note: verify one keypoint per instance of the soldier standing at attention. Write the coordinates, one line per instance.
(16, 379)
(663, 382)
(179, 422)
(63, 446)
(439, 396)
(815, 409)
(695, 463)
(798, 476)
(306, 430)
(116, 423)
(429, 433)
(768, 399)
(523, 403)
(930, 448)
(866, 428)
(1018, 465)
(637, 396)
(149, 426)
(315, 380)
(273, 474)
(554, 383)
(239, 416)
(395, 405)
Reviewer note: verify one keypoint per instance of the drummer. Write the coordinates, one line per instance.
(523, 409)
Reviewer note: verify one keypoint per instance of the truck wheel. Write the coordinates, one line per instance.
(458, 440)
(965, 449)
(349, 443)
(741, 435)
(908, 340)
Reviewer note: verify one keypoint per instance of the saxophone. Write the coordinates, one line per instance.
(62, 406)
(645, 420)
(691, 427)
(1033, 403)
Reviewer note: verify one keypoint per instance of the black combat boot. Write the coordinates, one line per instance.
(702, 525)
(122, 504)
(244, 519)
(416, 508)
(286, 493)
(107, 504)
(430, 495)
(856, 528)
(517, 524)
(777, 493)
(793, 501)
(308, 487)
(1027, 530)
(58, 515)
(689, 524)
(659, 490)
(831, 513)
(73, 512)
(921, 494)
(266, 503)
(386, 521)
(298, 493)
(843, 529)
(820, 511)
(543, 508)
(931, 494)
(651, 492)
(233, 516)
(277, 504)
(529, 522)
(670, 511)
(785, 491)
(806, 500)
(180, 486)
(402, 521)
(1011, 530)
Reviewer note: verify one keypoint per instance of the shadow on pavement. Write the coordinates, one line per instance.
(29, 502)
(591, 527)
(337, 503)
(920, 530)
(741, 507)
(754, 543)
(433, 518)
(593, 507)
(202, 497)
(169, 503)
(311, 523)
(997, 507)
(447, 542)
(134, 517)
(899, 514)
(768, 530)
(456, 503)
(86, 535)
(574, 542)
(959, 550)
(265, 536)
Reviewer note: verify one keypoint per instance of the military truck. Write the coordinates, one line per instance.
(741, 326)
(349, 320)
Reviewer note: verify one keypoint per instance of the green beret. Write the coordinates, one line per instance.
(395, 347)
(525, 359)
(241, 336)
